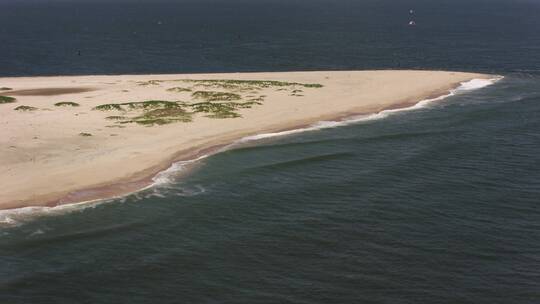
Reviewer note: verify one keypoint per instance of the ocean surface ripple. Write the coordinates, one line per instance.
(416, 205)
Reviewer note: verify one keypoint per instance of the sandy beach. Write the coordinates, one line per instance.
(79, 138)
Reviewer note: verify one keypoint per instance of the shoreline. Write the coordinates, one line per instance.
(144, 179)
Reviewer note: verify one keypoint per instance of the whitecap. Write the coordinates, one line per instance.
(16, 217)
(167, 176)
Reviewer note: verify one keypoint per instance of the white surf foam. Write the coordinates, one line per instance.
(473, 84)
(15, 217)
(18, 216)
(166, 176)
(476, 84)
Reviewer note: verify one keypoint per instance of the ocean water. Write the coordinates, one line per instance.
(436, 204)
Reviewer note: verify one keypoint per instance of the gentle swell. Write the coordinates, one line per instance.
(301, 161)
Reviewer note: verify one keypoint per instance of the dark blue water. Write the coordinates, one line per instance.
(436, 205)
(44, 37)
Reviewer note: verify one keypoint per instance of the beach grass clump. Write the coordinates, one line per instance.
(7, 99)
(216, 110)
(248, 84)
(246, 105)
(211, 107)
(257, 99)
(66, 104)
(155, 112)
(149, 82)
(5, 89)
(312, 85)
(179, 90)
(84, 134)
(149, 104)
(141, 105)
(216, 84)
(115, 117)
(161, 117)
(223, 115)
(297, 93)
(160, 112)
(177, 113)
(25, 108)
(222, 110)
(108, 107)
(216, 96)
(203, 107)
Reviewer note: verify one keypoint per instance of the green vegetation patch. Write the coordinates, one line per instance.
(312, 85)
(258, 99)
(248, 84)
(85, 134)
(108, 107)
(7, 99)
(25, 108)
(115, 117)
(149, 82)
(155, 112)
(223, 115)
(66, 104)
(232, 84)
(162, 117)
(216, 110)
(176, 113)
(179, 90)
(222, 110)
(142, 105)
(159, 112)
(215, 96)
(149, 104)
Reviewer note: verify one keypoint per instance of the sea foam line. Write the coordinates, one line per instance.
(15, 217)
(471, 85)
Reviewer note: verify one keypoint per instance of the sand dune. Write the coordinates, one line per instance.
(59, 148)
